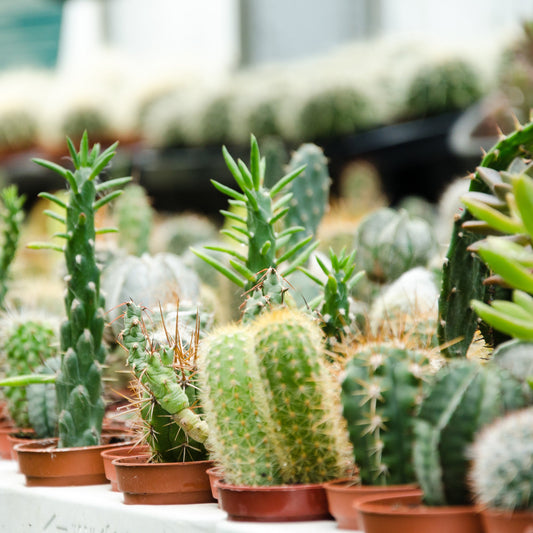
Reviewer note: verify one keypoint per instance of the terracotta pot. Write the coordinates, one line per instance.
(108, 456)
(18, 437)
(44, 464)
(215, 474)
(142, 482)
(281, 503)
(500, 521)
(5, 446)
(342, 495)
(406, 514)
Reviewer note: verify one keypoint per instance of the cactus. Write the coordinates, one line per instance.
(501, 476)
(263, 246)
(78, 383)
(463, 273)
(28, 342)
(310, 191)
(165, 375)
(12, 217)
(389, 243)
(134, 219)
(266, 385)
(464, 396)
(381, 393)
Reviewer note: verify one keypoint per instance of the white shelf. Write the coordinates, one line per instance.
(96, 509)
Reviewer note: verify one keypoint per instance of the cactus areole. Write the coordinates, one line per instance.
(79, 382)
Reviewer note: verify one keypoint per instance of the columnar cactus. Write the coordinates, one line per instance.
(463, 274)
(381, 393)
(270, 402)
(501, 476)
(165, 377)
(79, 384)
(464, 397)
(12, 216)
(263, 247)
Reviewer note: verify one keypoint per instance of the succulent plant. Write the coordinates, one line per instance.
(12, 216)
(165, 375)
(381, 393)
(270, 402)
(78, 383)
(463, 397)
(501, 476)
(463, 273)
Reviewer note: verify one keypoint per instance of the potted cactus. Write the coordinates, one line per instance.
(165, 375)
(78, 383)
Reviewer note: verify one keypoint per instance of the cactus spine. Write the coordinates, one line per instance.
(464, 397)
(12, 217)
(266, 384)
(501, 474)
(381, 393)
(79, 384)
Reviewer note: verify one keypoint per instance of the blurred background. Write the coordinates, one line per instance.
(408, 91)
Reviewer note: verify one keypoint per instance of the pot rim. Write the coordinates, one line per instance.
(220, 483)
(130, 461)
(46, 446)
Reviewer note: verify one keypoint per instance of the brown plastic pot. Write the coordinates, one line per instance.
(5, 447)
(500, 521)
(108, 456)
(342, 494)
(44, 464)
(142, 482)
(215, 474)
(280, 503)
(406, 514)
(18, 437)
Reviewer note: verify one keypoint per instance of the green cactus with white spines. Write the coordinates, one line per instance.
(134, 216)
(255, 232)
(266, 384)
(381, 393)
(501, 476)
(78, 384)
(12, 216)
(165, 376)
(310, 191)
(464, 396)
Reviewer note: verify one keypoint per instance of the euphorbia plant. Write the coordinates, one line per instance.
(79, 381)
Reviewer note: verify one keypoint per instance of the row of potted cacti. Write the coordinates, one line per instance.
(278, 397)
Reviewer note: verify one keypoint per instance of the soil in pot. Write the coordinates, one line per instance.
(142, 482)
(499, 521)
(18, 437)
(281, 503)
(406, 514)
(44, 464)
(342, 494)
(109, 455)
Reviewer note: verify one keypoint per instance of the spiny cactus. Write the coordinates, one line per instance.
(12, 216)
(381, 393)
(310, 191)
(270, 402)
(501, 476)
(165, 376)
(262, 246)
(79, 384)
(463, 273)
(134, 219)
(464, 396)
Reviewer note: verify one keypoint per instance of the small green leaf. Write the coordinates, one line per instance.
(285, 180)
(53, 199)
(106, 199)
(502, 322)
(217, 265)
(228, 191)
(492, 217)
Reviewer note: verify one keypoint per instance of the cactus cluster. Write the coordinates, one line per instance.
(78, 383)
(165, 376)
(271, 402)
(463, 397)
(381, 393)
(501, 476)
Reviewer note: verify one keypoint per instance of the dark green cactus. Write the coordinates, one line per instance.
(310, 191)
(12, 216)
(463, 398)
(79, 384)
(381, 392)
(165, 376)
(463, 272)
(263, 247)
(270, 402)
